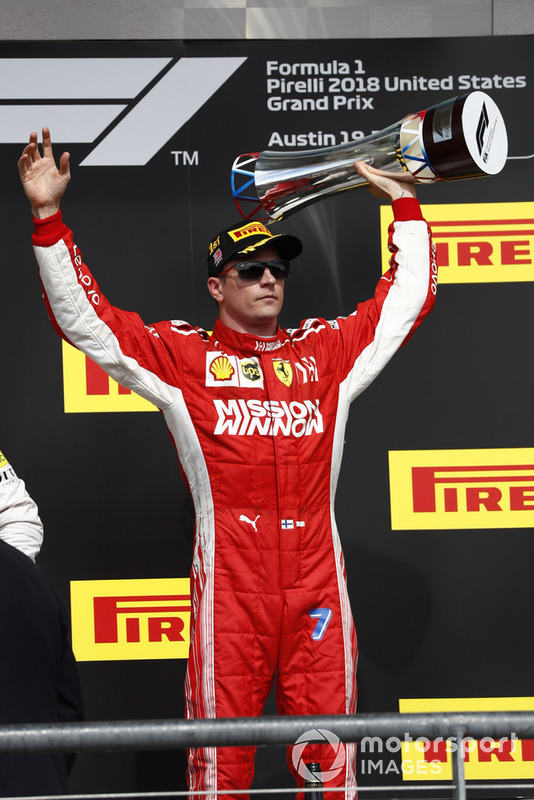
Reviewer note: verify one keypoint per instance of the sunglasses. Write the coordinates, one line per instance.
(253, 270)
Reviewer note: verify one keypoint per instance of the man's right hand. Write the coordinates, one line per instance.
(386, 185)
(43, 183)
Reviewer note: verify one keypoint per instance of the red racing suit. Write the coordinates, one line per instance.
(258, 426)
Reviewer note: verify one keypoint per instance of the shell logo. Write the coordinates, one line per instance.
(221, 369)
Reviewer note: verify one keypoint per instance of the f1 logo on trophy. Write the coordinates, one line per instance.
(463, 137)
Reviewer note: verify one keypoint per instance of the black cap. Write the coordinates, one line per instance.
(246, 238)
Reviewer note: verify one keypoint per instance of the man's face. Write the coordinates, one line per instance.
(249, 306)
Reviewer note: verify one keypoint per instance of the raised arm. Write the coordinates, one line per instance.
(42, 181)
(135, 355)
(404, 295)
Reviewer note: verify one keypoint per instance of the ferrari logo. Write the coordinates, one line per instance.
(283, 371)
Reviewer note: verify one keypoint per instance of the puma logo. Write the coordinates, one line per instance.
(243, 518)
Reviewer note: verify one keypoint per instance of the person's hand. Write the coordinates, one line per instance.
(383, 185)
(43, 183)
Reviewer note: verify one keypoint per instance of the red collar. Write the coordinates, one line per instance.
(246, 342)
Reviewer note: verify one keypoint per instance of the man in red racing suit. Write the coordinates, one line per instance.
(257, 415)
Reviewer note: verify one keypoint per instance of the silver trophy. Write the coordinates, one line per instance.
(463, 137)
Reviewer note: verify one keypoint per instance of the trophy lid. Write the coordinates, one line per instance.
(464, 137)
(485, 132)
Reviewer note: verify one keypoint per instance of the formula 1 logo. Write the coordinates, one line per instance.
(139, 102)
(482, 127)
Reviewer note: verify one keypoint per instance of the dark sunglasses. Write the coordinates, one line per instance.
(253, 270)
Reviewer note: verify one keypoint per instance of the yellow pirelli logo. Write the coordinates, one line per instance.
(87, 388)
(444, 489)
(130, 619)
(508, 758)
(252, 229)
(477, 242)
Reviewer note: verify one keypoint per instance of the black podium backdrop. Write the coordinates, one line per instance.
(440, 613)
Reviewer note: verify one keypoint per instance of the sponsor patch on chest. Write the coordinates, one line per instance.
(223, 370)
(267, 418)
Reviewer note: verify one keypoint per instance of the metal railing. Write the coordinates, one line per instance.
(92, 737)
